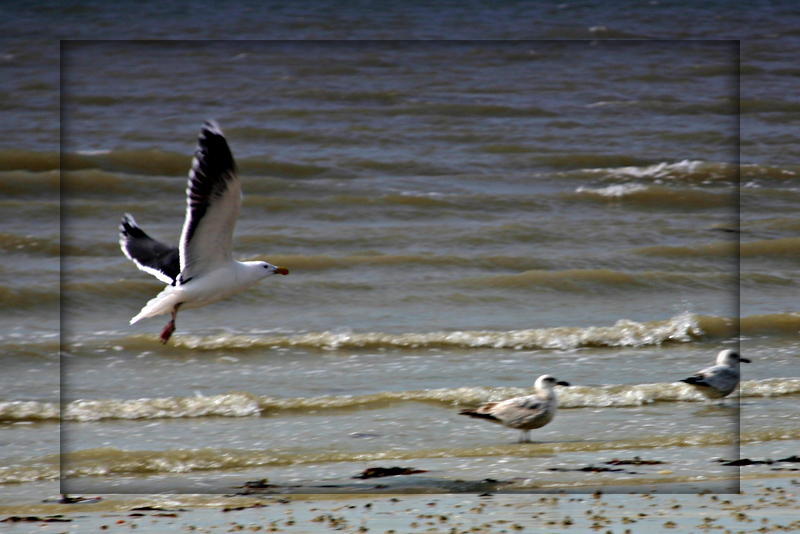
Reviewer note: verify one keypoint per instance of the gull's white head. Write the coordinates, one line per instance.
(254, 271)
(730, 358)
(546, 382)
(273, 269)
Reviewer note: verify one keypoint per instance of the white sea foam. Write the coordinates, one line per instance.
(616, 190)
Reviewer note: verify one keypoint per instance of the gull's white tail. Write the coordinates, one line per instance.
(163, 303)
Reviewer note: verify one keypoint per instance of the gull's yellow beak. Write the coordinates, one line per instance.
(281, 270)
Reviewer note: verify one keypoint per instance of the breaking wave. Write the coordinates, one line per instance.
(244, 404)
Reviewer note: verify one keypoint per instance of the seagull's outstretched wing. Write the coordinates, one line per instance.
(214, 198)
(149, 255)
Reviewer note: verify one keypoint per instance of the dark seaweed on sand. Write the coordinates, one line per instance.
(375, 472)
(748, 461)
(635, 461)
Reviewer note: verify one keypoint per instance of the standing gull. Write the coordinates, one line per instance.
(201, 270)
(524, 413)
(719, 380)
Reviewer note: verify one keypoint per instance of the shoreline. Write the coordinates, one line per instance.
(764, 502)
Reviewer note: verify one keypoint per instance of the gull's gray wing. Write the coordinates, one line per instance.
(214, 198)
(520, 409)
(149, 255)
(721, 378)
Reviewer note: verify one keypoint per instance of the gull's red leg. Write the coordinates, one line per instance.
(170, 328)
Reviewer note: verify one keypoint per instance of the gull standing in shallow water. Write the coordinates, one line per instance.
(524, 413)
(720, 380)
(201, 270)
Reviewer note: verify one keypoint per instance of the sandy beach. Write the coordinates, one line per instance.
(765, 504)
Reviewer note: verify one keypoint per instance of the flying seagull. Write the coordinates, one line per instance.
(525, 413)
(201, 270)
(721, 379)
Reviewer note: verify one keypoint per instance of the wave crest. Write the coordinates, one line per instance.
(28, 411)
(624, 333)
(244, 404)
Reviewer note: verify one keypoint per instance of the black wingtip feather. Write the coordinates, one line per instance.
(694, 380)
(129, 228)
(478, 415)
(213, 153)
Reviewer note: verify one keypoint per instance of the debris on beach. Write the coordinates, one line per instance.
(263, 483)
(375, 472)
(742, 462)
(588, 469)
(35, 519)
(635, 461)
(745, 461)
(255, 487)
(157, 509)
(237, 508)
(66, 499)
(748, 461)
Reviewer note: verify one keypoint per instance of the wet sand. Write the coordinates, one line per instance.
(764, 504)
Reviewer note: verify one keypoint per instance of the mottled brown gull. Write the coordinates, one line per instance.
(524, 413)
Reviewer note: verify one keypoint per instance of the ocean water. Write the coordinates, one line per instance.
(459, 217)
